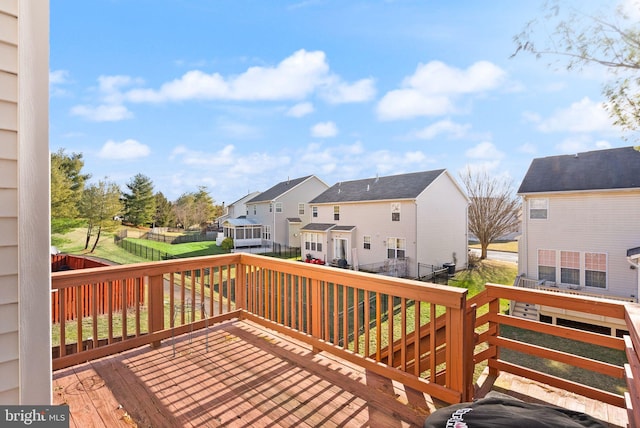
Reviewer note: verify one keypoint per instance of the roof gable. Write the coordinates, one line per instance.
(597, 170)
(278, 190)
(402, 186)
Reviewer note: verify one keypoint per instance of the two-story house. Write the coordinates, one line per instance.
(390, 224)
(275, 215)
(25, 284)
(237, 208)
(581, 227)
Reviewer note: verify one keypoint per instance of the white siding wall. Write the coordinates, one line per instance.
(442, 224)
(371, 219)
(25, 347)
(303, 192)
(9, 322)
(605, 222)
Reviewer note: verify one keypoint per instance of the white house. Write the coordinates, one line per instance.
(581, 228)
(390, 224)
(237, 208)
(275, 215)
(25, 285)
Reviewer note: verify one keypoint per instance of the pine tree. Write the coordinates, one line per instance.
(139, 202)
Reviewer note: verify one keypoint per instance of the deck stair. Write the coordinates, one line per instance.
(525, 310)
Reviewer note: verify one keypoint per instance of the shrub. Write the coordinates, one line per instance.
(227, 244)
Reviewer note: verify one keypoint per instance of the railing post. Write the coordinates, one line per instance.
(316, 311)
(469, 352)
(455, 355)
(494, 330)
(156, 305)
(240, 284)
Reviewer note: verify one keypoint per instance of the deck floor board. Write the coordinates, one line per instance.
(239, 374)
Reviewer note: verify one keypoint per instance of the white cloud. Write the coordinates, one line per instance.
(58, 77)
(293, 78)
(125, 150)
(341, 92)
(433, 88)
(582, 116)
(446, 127)
(631, 8)
(484, 150)
(324, 130)
(102, 113)
(300, 110)
(581, 143)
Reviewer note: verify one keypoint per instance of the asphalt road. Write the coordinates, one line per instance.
(498, 255)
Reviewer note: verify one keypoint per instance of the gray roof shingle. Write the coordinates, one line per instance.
(402, 186)
(277, 190)
(597, 170)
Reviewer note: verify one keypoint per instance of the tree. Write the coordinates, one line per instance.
(194, 208)
(494, 209)
(183, 209)
(99, 205)
(602, 38)
(67, 184)
(139, 203)
(203, 206)
(164, 211)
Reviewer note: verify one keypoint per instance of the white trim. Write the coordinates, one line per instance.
(33, 204)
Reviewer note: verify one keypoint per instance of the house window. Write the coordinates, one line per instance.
(538, 208)
(367, 242)
(254, 210)
(301, 209)
(314, 211)
(270, 208)
(336, 212)
(266, 233)
(313, 242)
(547, 265)
(395, 211)
(278, 207)
(595, 270)
(570, 267)
(396, 248)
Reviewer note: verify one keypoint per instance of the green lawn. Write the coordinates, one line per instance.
(188, 249)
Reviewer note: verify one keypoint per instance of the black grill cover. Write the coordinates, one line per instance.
(501, 412)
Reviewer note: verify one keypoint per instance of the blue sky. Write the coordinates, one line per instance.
(238, 95)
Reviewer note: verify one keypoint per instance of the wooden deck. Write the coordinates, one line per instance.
(238, 374)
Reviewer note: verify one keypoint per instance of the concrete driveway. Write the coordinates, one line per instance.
(498, 255)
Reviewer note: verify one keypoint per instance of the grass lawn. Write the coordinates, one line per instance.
(73, 243)
(188, 249)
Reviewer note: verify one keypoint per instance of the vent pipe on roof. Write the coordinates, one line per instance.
(367, 187)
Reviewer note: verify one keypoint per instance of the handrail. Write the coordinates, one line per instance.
(495, 342)
(312, 303)
(632, 368)
(423, 335)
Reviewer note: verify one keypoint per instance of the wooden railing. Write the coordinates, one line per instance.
(491, 341)
(351, 314)
(632, 368)
(566, 289)
(426, 336)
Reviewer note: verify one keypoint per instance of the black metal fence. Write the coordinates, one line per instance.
(181, 239)
(142, 250)
(433, 274)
